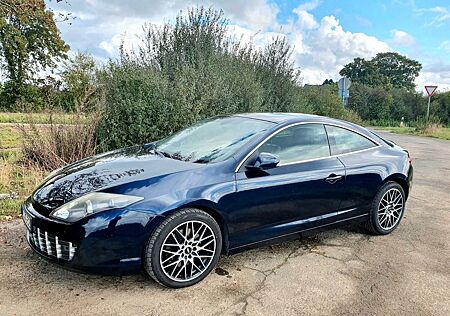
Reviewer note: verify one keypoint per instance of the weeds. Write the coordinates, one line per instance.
(18, 180)
(54, 145)
(431, 125)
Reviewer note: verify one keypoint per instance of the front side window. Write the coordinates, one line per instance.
(212, 140)
(344, 141)
(297, 143)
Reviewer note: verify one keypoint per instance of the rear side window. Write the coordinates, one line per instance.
(298, 143)
(343, 141)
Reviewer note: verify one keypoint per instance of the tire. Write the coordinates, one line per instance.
(387, 209)
(183, 249)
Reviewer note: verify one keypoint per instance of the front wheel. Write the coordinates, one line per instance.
(183, 249)
(387, 209)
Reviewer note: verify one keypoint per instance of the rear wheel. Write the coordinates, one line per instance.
(387, 209)
(183, 249)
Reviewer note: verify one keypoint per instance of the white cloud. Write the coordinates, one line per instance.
(100, 24)
(440, 15)
(246, 35)
(401, 39)
(308, 6)
(436, 73)
(445, 45)
(256, 14)
(329, 47)
(306, 20)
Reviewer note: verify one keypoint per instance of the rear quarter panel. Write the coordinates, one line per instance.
(367, 171)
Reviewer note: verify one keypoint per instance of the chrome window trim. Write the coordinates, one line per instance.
(314, 159)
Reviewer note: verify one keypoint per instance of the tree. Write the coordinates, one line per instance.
(385, 69)
(441, 107)
(29, 39)
(79, 82)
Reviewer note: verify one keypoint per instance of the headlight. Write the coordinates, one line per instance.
(92, 203)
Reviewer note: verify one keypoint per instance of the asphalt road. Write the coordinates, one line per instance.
(341, 271)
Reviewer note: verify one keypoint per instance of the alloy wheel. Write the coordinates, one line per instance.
(187, 251)
(390, 209)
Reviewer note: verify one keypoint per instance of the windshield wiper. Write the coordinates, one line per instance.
(161, 153)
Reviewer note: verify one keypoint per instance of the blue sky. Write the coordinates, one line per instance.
(326, 34)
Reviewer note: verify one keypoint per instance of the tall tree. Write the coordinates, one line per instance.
(29, 39)
(79, 79)
(385, 69)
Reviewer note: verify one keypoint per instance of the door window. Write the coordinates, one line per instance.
(298, 143)
(344, 141)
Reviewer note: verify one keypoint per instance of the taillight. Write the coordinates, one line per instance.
(409, 158)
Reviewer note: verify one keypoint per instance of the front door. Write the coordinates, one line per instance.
(304, 188)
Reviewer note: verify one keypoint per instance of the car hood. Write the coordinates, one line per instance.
(105, 171)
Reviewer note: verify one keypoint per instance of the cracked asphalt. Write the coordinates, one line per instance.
(337, 272)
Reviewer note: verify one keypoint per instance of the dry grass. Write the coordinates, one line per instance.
(10, 137)
(56, 144)
(29, 151)
(17, 178)
(36, 118)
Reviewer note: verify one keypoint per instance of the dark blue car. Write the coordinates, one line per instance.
(220, 186)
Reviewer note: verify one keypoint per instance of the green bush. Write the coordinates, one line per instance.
(79, 91)
(422, 124)
(322, 100)
(440, 107)
(23, 97)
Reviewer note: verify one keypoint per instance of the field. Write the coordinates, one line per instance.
(37, 118)
(441, 133)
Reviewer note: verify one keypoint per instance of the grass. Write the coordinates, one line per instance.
(36, 118)
(10, 137)
(441, 133)
(16, 177)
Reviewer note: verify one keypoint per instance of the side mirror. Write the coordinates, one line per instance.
(265, 161)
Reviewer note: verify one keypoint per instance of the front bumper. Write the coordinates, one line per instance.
(110, 242)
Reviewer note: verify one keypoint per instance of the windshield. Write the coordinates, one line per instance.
(211, 140)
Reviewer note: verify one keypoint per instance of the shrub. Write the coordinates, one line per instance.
(138, 107)
(53, 145)
(427, 126)
(79, 82)
(440, 106)
(322, 100)
(21, 97)
(369, 102)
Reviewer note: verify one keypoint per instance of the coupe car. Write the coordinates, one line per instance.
(220, 186)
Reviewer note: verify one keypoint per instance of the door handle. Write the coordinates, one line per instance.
(333, 178)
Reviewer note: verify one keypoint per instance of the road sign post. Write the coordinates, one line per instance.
(343, 85)
(430, 91)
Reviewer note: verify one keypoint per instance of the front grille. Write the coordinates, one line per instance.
(50, 245)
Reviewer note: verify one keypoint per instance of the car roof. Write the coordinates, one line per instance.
(282, 119)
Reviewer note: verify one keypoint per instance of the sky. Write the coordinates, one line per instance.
(325, 34)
